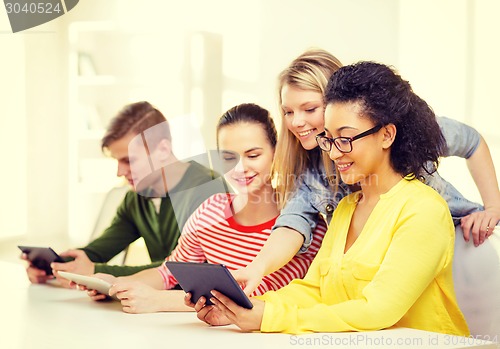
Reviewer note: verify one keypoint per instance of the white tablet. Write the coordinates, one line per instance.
(91, 282)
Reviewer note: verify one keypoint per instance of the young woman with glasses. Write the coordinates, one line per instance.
(305, 190)
(387, 257)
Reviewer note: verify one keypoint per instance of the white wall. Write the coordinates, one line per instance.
(34, 135)
(12, 133)
(484, 75)
(46, 105)
(371, 32)
(447, 52)
(484, 72)
(446, 49)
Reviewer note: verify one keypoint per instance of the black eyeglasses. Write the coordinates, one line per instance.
(343, 144)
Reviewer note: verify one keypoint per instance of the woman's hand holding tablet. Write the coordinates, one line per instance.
(90, 282)
(200, 278)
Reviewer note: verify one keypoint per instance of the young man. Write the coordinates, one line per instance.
(165, 191)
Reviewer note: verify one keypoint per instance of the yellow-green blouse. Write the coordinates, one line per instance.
(397, 273)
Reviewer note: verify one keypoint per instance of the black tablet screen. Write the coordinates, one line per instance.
(200, 278)
(41, 257)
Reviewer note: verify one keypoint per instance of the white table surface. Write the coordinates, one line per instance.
(45, 316)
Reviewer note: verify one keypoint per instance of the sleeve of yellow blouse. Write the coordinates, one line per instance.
(420, 249)
(305, 293)
(282, 305)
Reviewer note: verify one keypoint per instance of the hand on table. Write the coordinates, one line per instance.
(137, 297)
(246, 319)
(207, 313)
(94, 294)
(35, 275)
(80, 265)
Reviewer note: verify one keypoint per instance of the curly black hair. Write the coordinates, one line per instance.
(386, 98)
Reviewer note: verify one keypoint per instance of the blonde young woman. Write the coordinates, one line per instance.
(305, 191)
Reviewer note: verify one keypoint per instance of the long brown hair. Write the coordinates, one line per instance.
(309, 71)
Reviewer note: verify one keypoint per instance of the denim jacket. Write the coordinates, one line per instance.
(314, 196)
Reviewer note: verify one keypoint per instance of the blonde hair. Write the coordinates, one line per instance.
(309, 71)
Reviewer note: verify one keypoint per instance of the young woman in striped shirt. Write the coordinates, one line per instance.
(227, 228)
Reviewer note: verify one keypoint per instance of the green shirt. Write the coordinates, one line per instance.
(137, 217)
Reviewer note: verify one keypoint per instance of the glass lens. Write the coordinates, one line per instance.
(343, 144)
(324, 143)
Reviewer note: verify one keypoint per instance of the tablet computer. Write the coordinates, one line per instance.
(41, 257)
(200, 278)
(91, 282)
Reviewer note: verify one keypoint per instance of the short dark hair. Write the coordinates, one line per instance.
(386, 98)
(136, 118)
(251, 113)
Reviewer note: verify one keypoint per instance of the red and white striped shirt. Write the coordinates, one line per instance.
(212, 235)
